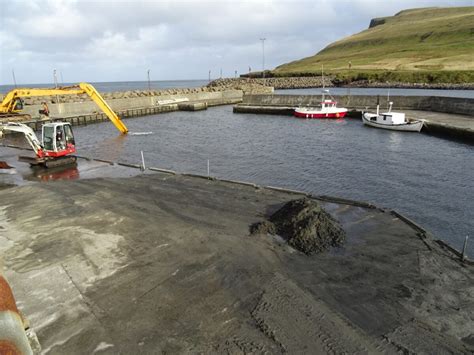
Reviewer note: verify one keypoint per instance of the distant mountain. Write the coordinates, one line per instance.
(417, 40)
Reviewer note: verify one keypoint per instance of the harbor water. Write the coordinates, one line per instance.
(426, 178)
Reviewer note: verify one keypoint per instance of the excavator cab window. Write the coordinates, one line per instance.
(18, 104)
(48, 137)
(60, 138)
(69, 135)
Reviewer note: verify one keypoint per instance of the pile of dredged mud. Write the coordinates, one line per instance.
(305, 225)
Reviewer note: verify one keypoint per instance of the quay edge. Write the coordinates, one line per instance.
(448, 117)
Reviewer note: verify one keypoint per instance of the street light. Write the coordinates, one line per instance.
(55, 79)
(56, 84)
(149, 86)
(263, 58)
(14, 79)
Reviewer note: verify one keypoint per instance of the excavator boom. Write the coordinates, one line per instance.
(97, 98)
(9, 102)
(27, 132)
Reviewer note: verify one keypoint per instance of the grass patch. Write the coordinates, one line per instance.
(432, 45)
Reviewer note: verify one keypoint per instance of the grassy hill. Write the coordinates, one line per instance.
(428, 44)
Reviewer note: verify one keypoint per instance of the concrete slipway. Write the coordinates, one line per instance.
(163, 263)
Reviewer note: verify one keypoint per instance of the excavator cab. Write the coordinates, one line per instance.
(58, 139)
(56, 147)
(18, 105)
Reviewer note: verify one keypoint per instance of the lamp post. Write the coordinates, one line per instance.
(55, 79)
(263, 59)
(14, 79)
(149, 86)
(56, 84)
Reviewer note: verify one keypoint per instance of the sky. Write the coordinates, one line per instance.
(120, 40)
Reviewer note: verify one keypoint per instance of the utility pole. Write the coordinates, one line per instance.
(209, 75)
(263, 59)
(221, 73)
(56, 84)
(55, 79)
(14, 79)
(149, 86)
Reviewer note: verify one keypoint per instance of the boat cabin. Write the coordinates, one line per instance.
(389, 118)
(328, 104)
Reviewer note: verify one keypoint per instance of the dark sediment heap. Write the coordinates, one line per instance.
(305, 225)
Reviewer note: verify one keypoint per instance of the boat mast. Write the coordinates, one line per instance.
(322, 74)
(322, 79)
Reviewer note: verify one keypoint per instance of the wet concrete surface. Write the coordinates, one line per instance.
(23, 174)
(462, 122)
(165, 263)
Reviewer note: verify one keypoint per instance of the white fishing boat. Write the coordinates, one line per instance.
(394, 121)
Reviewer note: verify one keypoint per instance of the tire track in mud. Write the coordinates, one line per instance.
(416, 337)
(299, 323)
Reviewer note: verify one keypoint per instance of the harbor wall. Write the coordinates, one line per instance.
(446, 127)
(88, 107)
(463, 106)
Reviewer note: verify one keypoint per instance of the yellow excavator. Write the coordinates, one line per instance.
(57, 142)
(12, 102)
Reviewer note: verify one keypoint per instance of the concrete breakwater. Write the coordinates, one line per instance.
(305, 82)
(276, 82)
(455, 119)
(190, 99)
(79, 109)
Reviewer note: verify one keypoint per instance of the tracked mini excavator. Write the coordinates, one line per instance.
(57, 145)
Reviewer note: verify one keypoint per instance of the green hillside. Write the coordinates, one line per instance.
(436, 43)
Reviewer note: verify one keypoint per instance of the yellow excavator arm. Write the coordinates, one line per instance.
(8, 104)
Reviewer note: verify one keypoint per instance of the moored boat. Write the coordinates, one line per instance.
(328, 109)
(394, 121)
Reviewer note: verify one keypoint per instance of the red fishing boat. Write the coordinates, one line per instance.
(328, 109)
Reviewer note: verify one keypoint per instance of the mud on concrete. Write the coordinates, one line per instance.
(305, 225)
(164, 263)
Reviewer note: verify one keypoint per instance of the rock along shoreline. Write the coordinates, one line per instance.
(318, 81)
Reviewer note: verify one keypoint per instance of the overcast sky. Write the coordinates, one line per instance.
(105, 40)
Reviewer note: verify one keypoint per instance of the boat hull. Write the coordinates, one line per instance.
(414, 126)
(321, 115)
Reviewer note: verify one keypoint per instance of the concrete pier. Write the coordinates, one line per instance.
(193, 106)
(445, 116)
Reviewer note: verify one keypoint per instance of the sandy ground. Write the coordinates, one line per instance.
(163, 263)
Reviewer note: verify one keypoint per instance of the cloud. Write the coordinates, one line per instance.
(109, 40)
